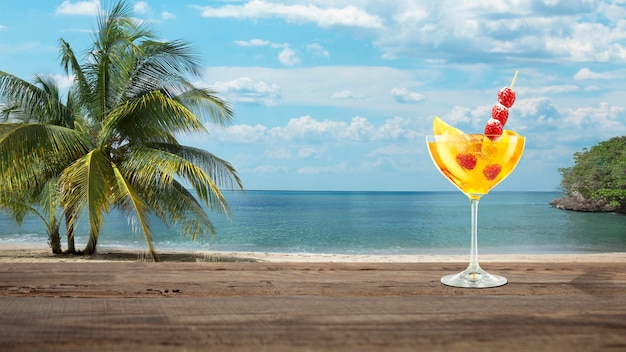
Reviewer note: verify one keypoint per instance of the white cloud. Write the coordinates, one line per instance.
(244, 90)
(288, 57)
(167, 15)
(550, 126)
(459, 115)
(90, 8)
(381, 164)
(253, 42)
(592, 88)
(603, 119)
(318, 50)
(270, 169)
(548, 90)
(389, 150)
(339, 168)
(2, 27)
(142, 7)
(586, 73)
(535, 113)
(405, 96)
(279, 153)
(239, 133)
(350, 15)
(328, 85)
(64, 82)
(306, 129)
(449, 31)
(397, 128)
(488, 31)
(346, 94)
(308, 152)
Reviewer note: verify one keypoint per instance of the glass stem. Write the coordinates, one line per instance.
(473, 262)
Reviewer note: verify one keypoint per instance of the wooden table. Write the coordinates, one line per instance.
(134, 306)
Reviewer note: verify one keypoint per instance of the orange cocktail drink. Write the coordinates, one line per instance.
(476, 163)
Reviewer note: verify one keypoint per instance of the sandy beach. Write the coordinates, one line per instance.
(11, 253)
(121, 301)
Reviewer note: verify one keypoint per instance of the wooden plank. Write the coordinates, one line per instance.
(309, 306)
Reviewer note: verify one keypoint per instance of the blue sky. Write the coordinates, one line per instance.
(339, 95)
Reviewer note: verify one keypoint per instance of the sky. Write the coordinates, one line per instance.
(339, 95)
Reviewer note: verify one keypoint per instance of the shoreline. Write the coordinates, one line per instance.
(15, 253)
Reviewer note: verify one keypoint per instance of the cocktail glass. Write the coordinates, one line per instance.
(475, 163)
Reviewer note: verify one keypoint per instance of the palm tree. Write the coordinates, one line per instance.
(134, 97)
(38, 103)
(43, 204)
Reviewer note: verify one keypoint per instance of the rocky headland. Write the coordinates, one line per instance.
(578, 202)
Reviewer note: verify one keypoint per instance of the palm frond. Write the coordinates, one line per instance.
(32, 153)
(204, 102)
(160, 59)
(41, 202)
(22, 95)
(19, 207)
(153, 117)
(19, 140)
(133, 204)
(112, 55)
(53, 111)
(219, 170)
(87, 186)
(13, 88)
(201, 169)
(193, 218)
(48, 198)
(13, 112)
(83, 92)
(39, 101)
(175, 205)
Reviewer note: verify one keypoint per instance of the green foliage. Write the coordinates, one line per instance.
(599, 172)
(112, 143)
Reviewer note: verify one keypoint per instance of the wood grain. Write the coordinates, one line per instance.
(124, 306)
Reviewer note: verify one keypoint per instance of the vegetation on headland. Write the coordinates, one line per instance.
(597, 180)
(110, 142)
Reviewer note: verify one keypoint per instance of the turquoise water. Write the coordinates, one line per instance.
(370, 223)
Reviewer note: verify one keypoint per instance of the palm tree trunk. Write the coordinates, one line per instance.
(54, 239)
(91, 244)
(71, 248)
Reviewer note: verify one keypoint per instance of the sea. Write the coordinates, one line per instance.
(377, 223)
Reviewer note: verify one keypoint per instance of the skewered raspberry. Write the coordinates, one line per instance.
(500, 113)
(493, 129)
(506, 96)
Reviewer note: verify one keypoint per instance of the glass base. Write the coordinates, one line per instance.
(474, 278)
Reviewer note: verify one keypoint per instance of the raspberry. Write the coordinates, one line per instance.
(467, 161)
(506, 97)
(493, 129)
(500, 113)
(492, 171)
